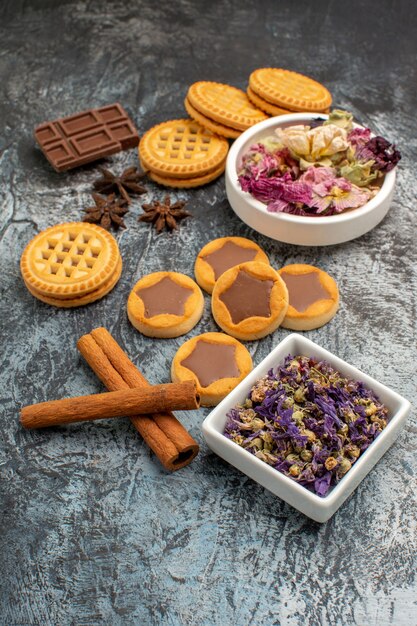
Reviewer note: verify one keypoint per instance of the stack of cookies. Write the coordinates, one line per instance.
(277, 92)
(225, 110)
(71, 264)
(182, 153)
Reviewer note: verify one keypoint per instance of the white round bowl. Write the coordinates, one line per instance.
(297, 229)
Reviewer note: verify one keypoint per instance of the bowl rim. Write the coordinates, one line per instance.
(400, 412)
(347, 216)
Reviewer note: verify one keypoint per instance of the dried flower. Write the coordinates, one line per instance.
(384, 154)
(307, 421)
(331, 193)
(313, 144)
(284, 170)
(341, 118)
(330, 463)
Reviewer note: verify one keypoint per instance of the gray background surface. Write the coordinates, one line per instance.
(93, 530)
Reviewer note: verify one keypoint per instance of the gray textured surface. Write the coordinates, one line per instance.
(93, 530)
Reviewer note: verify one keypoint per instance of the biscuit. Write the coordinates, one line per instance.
(221, 254)
(266, 106)
(165, 304)
(182, 149)
(97, 294)
(215, 127)
(185, 183)
(249, 300)
(69, 260)
(289, 90)
(313, 296)
(216, 362)
(224, 104)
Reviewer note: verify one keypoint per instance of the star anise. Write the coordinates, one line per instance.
(164, 214)
(107, 212)
(127, 182)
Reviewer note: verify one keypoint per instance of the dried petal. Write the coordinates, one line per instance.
(308, 421)
(273, 169)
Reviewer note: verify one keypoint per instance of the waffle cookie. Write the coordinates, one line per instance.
(216, 362)
(249, 301)
(220, 255)
(289, 90)
(313, 296)
(222, 105)
(71, 264)
(165, 304)
(182, 150)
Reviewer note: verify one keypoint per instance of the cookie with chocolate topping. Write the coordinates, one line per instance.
(221, 254)
(249, 300)
(165, 304)
(313, 296)
(216, 362)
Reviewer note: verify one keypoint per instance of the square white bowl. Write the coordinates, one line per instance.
(316, 507)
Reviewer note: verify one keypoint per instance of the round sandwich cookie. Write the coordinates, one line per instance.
(165, 304)
(249, 300)
(182, 149)
(313, 296)
(187, 183)
(215, 127)
(266, 106)
(289, 90)
(216, 362)
(221, 254)
(224, 104)
(71, 264)
(92, 296)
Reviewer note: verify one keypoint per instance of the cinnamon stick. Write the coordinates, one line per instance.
(182, 396)
(164, 434)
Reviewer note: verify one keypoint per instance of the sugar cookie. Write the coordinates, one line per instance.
(249, 300)
(221, 254)
(216, 362)
(313, 296)
(165, 304)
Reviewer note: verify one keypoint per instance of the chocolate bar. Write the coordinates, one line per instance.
(79, 139)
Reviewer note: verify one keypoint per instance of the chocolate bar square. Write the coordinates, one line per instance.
(87, 136)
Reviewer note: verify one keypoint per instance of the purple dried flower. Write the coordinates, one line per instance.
(317, 121)
(331, 191)
(358, 137)
(382, 152)
(322, 485)
(267, 189)
(308, 421)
